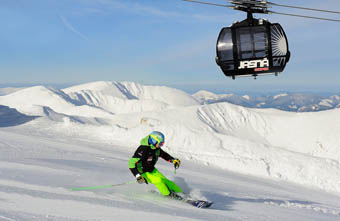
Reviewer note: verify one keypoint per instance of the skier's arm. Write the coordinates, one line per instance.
(138, 157)
(170, 159)
(132, 166)
(166, 156)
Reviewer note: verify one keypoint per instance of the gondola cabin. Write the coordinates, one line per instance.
(255, 47)
(252, 47)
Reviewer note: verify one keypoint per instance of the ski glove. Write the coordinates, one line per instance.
(176, 163)
(141, 179)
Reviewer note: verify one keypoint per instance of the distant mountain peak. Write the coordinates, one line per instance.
(295, 102)
(279, 95)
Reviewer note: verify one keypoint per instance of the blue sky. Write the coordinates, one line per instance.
(159, 42)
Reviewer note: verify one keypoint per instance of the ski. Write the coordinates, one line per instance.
(193, 202)
(198, 203)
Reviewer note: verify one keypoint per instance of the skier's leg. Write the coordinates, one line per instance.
(173, 186)
(157, 180)
(163, 184)
(170, 184)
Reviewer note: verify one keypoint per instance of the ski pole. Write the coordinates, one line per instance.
(105, 186)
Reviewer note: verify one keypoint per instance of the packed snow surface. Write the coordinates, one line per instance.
(256, 164)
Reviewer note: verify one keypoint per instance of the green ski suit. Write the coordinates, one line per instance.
(143, 162)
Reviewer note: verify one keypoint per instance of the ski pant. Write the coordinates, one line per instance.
(163, 184)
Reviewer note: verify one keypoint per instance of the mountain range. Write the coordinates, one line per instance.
(295, 102)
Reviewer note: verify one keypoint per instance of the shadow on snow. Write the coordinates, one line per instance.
(224, 202)
(10, 117)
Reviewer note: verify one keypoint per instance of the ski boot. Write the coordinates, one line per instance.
(175, 196)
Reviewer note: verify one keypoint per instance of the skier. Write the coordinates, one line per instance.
(142, 165)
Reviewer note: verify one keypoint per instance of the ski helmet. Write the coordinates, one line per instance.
(156, 137)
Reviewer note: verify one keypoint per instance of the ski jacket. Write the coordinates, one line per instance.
(146, 156)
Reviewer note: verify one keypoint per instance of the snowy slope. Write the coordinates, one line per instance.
(295, 147)
(85, 126)
(128, 97)
(37, 173)
(8, 90)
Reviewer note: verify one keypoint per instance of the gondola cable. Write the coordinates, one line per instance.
(208, 3)
(303, 8)
(262, 4)
(303, 16)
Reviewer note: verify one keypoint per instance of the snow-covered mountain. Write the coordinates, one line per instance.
(124, 97)
(261, 142)
(295, 148)
(295, 102)
(8, 90)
